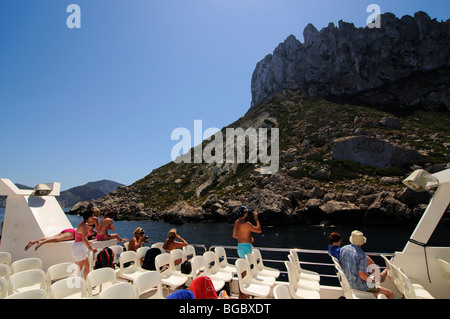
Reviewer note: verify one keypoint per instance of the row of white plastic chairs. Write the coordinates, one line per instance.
(258, 280)
(254, 277)
(405, 286)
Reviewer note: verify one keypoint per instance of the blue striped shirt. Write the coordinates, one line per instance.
(353, 259)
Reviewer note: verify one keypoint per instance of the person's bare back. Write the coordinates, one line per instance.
(243, 229)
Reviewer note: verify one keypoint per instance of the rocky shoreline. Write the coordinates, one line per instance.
(307, 204)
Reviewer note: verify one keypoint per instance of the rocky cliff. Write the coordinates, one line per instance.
(341, 159)
(404, 63)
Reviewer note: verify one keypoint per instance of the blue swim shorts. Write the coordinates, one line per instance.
(244, 249)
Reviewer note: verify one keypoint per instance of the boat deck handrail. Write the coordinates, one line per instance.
(287, 251)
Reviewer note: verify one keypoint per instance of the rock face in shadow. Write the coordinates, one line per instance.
(372, 151)
(363, 65)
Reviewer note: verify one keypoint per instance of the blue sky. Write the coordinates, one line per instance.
(101, 102)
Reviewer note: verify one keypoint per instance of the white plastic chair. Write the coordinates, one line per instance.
(347, 290)
(262, 269)
(131, 272)
(61, 271)
(4, 271)
(158, 245)
(257, 277)
(99, 277)
(147, 282)
(413, 291)
(178, 256)
(304, 281)
(445, 269)
(121, 290)
(93, 259)
(27, 280)
(281, 292)
(198, 263)
(26, 264)
(140, 254)
(3, 288)
(68, 288)
(295, 290)
(189, 251)
(5, 258)
(169, 277)
(117, 250)
(246, 283)
(29, 294)
(213, 270)
(303, 273)
(223, 261)
(391, 273)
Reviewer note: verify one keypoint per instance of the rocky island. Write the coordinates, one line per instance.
(357, 109)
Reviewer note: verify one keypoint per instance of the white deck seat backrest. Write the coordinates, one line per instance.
(243, 272)
(281, 292)
(445, 269)
(140, 254)
(61, 271)
(121, 290)
(4, 271)
(252, 264)
(390, 272)
(222, 256)
(3, 288)
(346, 288)
(260, 263)
(189, 251)
(212, 263)
(27, 279)
(68, 288)
(164, 264)
(292, 277)
(93, 258)
(29, 294)
(5, 258)
(26, 264)
(178, 256)
(117, 250)
(398, 279)
(99, 277)
(148, 281)
(197, 263)
(128, 257)
(158, 245)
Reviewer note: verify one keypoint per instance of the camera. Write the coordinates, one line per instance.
(250, 216)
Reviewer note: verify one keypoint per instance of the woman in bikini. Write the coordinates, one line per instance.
(104, 225)
(65, 235)
(82, 246)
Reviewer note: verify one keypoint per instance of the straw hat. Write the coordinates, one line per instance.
(357, 238)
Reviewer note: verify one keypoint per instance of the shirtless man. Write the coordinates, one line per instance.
(242, 231)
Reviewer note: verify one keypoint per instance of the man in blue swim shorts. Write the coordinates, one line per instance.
(243, 230)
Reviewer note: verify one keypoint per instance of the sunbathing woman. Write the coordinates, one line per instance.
(66, 234)
(104, 225)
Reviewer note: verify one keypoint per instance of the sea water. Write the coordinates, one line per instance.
(388, 239)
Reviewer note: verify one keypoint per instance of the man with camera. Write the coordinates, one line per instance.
(139, 239)
(243, 230)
